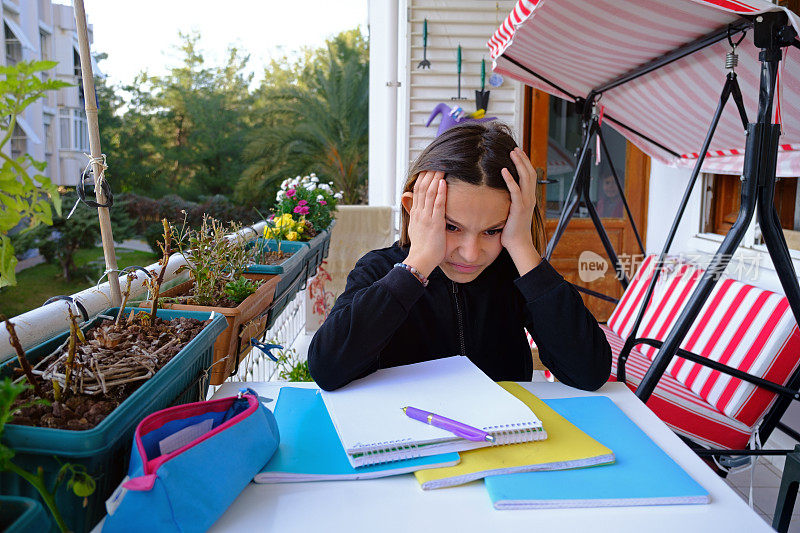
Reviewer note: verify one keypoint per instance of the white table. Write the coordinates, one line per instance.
(398, 504)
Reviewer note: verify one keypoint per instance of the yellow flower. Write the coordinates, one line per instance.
(292, 236)
(268, 233)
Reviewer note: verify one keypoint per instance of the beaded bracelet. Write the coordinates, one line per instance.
(417, 274)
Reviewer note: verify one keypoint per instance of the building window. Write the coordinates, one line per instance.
(49, 144)
(76, 63)
(723, 200)
(19, 143)
(13, 47)
(64, 129)
(44, 52)
(80, 130)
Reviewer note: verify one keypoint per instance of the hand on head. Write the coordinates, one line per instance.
(516, 236)
(426, 226)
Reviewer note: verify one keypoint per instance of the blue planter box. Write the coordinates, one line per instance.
(22, 515)
(289, 269)
(105, 449)
(318, 249)
(293, 272)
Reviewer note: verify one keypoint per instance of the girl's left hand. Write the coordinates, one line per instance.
(517, 237)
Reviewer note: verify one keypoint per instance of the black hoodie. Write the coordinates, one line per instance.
(385, 318)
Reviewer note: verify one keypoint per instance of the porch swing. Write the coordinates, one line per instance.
(646, 58)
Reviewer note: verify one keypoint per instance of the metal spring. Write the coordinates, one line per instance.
(731, 60)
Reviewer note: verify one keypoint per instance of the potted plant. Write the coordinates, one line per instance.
(86, 391)
(280, 253)
(24, 198)
(218, 283)
(315, 203)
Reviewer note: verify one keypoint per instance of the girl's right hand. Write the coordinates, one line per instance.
(426, 226)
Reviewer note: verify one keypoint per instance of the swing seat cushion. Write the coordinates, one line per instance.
(739, 325)
(677, 406)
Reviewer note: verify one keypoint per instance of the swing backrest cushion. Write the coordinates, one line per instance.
(740, 325)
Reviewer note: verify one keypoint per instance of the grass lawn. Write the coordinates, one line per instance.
(37, 284)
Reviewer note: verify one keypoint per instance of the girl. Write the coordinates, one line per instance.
(465, 277)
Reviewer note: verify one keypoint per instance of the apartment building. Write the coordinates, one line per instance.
(54, 128)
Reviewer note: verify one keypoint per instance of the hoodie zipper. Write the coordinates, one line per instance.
(460, 319)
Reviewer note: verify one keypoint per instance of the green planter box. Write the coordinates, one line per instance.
(22, 515)
(318, 249)
(105, 449)
(293, 272)
(289, 269)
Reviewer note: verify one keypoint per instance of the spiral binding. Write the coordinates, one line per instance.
(385, 452)
(388, 454)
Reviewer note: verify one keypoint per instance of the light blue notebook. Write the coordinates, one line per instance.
(310, 449)
(642, 475)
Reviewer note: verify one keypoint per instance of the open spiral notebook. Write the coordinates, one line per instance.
(369, 419)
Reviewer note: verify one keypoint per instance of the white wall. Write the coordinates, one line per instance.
(398, 113)
(750, 263)
(383, 88)
(667, 185)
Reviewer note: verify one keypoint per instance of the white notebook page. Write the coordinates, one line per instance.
(368, 412)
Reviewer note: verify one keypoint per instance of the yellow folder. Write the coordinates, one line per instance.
(566, 447)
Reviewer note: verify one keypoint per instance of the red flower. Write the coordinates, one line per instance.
(290, 193)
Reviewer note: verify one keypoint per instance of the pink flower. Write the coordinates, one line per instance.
(290, 193)
(302, 202)
(302, 210)
(323, 202)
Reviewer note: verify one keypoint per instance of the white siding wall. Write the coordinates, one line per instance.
(469, 23)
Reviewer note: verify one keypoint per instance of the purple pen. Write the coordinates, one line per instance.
(457, 428)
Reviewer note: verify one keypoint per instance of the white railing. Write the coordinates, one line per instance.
(289, 325)
(43, 323)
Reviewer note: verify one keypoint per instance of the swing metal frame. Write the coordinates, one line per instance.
(771, 33)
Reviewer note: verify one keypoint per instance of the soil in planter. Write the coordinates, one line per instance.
(272, 258)
(135, 346)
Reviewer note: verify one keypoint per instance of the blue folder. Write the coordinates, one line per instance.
(310, 449)
(643, 473)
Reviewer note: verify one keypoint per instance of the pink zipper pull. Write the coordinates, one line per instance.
(141, 483)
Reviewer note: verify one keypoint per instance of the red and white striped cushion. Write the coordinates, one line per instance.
(739, 325)
(624, 315)
(675, 286)
(680, 408)
(750, 329)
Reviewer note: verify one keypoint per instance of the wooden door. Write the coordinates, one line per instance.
(546, 118)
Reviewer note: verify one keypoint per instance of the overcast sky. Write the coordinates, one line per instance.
(141, 34)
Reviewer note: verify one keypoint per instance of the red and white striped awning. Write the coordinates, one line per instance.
(580, 45)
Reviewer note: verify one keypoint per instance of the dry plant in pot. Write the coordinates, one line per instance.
(79, 396)
(216, 258)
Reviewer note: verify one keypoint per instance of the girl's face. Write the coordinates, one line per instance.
(474, 219)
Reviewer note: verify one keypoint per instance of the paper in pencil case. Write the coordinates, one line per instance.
(190, 462)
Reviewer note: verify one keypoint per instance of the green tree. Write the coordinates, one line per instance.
(183, 132)
(59, 242)
(314, 117)
(128, 138)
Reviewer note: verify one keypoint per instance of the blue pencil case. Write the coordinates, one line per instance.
(189, 462)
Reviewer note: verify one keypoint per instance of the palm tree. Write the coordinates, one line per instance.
(316, 122)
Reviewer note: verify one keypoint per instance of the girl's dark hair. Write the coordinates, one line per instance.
(473, 153)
